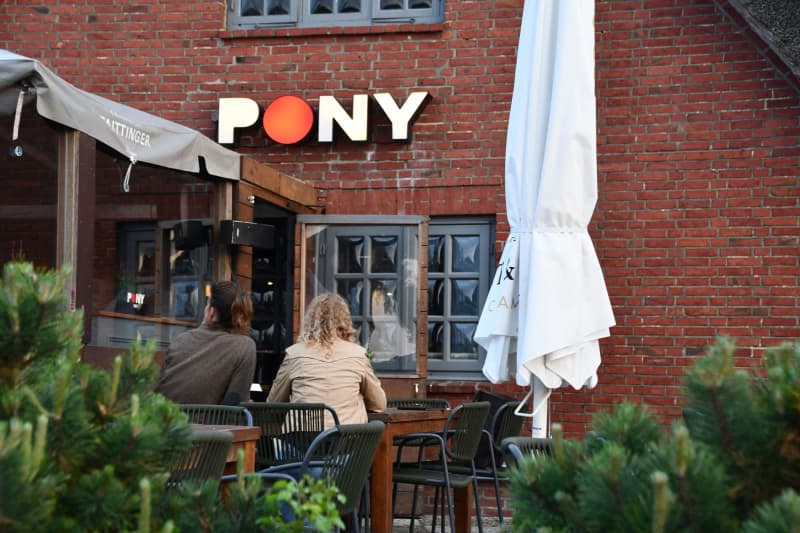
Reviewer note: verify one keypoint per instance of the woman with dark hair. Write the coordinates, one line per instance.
(214, 363)
(327, 366)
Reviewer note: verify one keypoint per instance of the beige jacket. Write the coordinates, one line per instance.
(342, 379)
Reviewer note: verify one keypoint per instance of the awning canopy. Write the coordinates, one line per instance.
(139, 136)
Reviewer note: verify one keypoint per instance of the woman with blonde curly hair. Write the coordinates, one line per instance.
(327, 366)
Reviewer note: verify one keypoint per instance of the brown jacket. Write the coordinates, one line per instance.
(202, 365)
(343, 379)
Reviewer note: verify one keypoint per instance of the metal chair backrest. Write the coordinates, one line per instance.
(346, 460)
(204, 460)
(505, 423)
(287, 430)
(516, 448)
(418, 403)
(217, 415)
(463, 430)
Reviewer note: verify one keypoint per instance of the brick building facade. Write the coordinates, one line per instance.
(698, 218)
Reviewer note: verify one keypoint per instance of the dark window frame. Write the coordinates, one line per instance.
(449, 367)
(300, 14)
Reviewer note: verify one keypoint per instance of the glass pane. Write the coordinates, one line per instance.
(352, 291)
(436, 297)
(252, 8)
(464, 297)
(351, 254)
(349, 6)
(420, 4)
(30, 188)
(436, 254)
(384, 254)
(461, 344)
(391, 4)
(278, 7)
(435, 340)
(466, 253)
(383, 296)
(320, 7)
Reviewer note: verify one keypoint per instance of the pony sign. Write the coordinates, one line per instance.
(289, 119)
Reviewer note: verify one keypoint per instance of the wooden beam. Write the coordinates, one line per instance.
(279, 188)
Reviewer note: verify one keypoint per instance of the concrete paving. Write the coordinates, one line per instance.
(423, 525)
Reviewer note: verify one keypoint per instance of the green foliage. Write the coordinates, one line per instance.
(733, 465)
(83, 449)
(314, 502)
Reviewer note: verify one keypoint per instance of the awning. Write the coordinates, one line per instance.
(139, 136)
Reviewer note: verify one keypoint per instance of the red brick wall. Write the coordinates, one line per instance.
(697, 221)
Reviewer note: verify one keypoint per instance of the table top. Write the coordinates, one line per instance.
(393, 414)
(240, 433)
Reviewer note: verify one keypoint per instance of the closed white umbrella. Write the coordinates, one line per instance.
(548, 304)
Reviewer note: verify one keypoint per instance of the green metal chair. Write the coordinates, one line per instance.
(343, 455)
(457, 444)
(515, 448)
(204, 460)
(287, 430)
(418, 403)
(217, 415)
(504, 424)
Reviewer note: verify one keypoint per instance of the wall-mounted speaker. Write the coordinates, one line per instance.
(190, 234)
(239, 233)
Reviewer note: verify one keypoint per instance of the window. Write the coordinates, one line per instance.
(460, 259)
(373, 263)
(327, 13)
(373, 266)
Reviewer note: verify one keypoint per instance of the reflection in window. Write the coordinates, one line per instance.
(435, 297)
(465, 297)
(384, 297)
(278, 7)
(436, 253)
(351, 254)
(321, 6)
(350, 6)
(461, 344)
(384, 254)
(466, 253)
(352, 291)
(252, 8)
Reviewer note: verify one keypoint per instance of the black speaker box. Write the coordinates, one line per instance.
(239, 233)
(190, 234)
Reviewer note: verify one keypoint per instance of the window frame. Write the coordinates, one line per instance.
(413, 230)
(447, 368)
(300, 15)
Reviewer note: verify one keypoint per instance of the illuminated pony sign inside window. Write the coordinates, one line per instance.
(289, 119)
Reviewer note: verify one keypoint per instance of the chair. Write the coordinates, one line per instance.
(343, 455)
(287, 430)
(418, 403)
(515, 448)
(457, 445)
(204, 460)
(217, 415)
(504, 424)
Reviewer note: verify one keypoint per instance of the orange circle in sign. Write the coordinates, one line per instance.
(288, 119)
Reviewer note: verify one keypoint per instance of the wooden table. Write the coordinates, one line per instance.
(397, 422)
(244, 438)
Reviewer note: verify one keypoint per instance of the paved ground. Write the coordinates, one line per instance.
(490, 525)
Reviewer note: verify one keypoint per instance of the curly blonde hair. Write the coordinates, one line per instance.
(326, 320)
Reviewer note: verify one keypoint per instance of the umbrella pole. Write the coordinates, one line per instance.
(541, 399)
